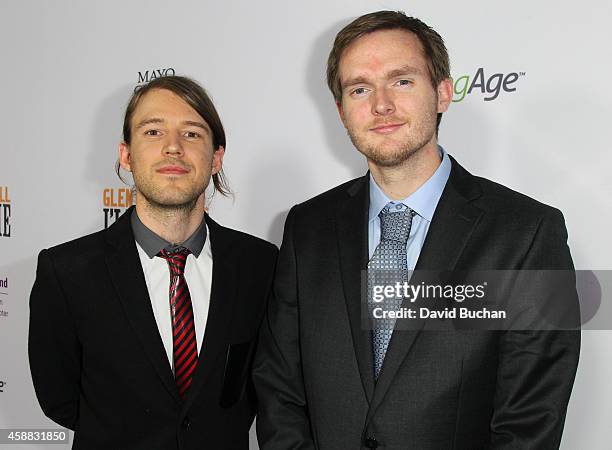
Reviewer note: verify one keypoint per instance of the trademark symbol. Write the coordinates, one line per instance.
(521, 74)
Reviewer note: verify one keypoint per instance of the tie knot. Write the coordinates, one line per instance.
(176, 259)
(395, 223)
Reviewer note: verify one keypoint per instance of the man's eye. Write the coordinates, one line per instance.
(192, 134)
(152, 132)
(359, 91)
(404, 82)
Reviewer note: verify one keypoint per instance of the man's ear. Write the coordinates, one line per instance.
(125, 157)
(217, 162)
(340, 110)
(445, 94)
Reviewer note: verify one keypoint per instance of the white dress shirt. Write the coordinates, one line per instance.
(198, 275)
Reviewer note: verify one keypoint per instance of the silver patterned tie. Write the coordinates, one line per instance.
(387, 267)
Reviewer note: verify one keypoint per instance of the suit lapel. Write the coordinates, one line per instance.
(452, 225)
(126, 274)
(352, 221)
(222, 296)
(453, 222)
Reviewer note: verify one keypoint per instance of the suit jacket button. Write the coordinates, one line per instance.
(186, 423)
(371, 442)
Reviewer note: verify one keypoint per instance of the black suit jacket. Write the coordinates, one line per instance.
(97, 359)
(438, 389)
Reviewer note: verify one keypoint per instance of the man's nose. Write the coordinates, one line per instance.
(382, 103)
(173, 145)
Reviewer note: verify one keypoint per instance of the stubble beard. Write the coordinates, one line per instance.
(168, 199)
(417, 135)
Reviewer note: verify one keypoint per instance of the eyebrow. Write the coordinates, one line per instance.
(194, 123)
(404, 70)
(153, 120)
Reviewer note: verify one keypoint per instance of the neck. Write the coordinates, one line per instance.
(175, 225)
(400, 181)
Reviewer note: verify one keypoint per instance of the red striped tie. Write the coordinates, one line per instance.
(185, 348)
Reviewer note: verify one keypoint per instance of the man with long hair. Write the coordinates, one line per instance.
(142, 335)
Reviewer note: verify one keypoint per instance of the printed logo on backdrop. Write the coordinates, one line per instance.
(5, 212)
(4, 283)
(115, 201)
(2, 385)
(145, 76)
(489, 86)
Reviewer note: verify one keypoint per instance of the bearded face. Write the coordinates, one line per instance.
(389, 106)
(171, 154)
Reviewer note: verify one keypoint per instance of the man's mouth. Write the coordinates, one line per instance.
(386, 128)
(172, 170)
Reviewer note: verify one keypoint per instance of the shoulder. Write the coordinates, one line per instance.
(336, 194)
(81, 252)
(326, 203)
(514, 206)
(248, 242)
(497, 199)
(239, 240)
(77, 251)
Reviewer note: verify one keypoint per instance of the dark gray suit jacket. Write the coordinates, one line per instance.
(437, 389)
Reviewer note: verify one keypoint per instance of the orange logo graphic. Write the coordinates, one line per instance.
(115, 201)
(5, 212)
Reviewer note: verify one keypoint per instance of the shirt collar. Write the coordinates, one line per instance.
(152, 244)
(423, 201)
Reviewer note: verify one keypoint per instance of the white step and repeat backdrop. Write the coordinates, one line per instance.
(68, 67)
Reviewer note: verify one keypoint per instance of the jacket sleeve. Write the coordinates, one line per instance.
(53, 347)
(537, 367)
(282, 421)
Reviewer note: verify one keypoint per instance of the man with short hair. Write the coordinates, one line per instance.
(327, 381)
(142, 335)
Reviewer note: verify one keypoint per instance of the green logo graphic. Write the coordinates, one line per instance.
(491, 87)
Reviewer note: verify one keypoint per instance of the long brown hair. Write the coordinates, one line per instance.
(196, 97)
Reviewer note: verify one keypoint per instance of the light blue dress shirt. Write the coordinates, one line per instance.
(423, 201)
